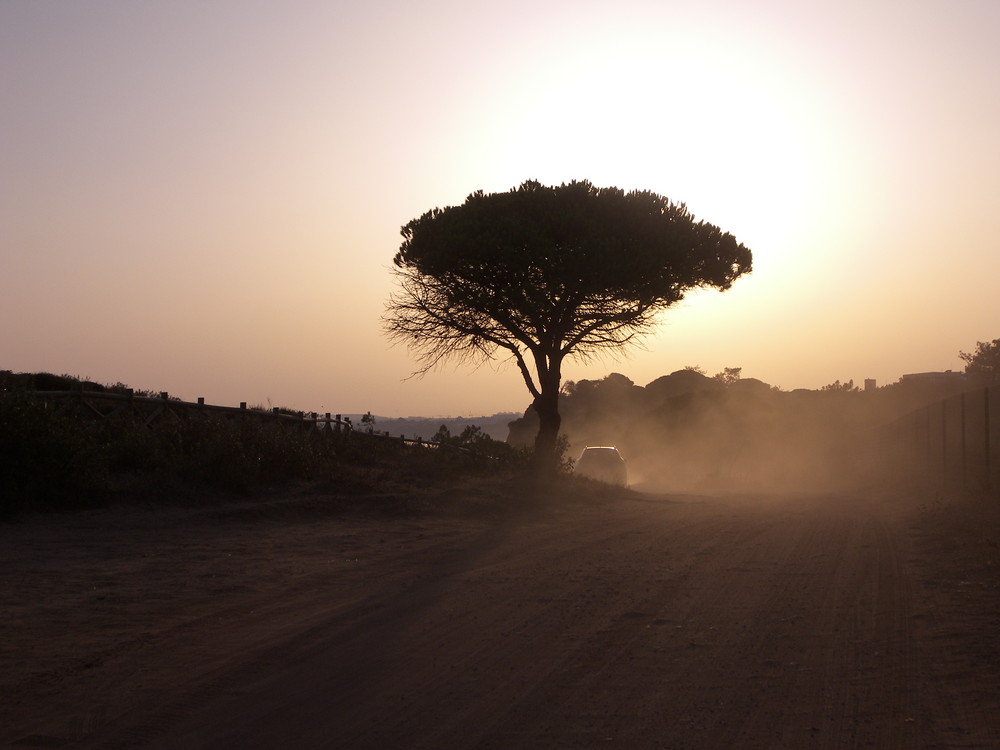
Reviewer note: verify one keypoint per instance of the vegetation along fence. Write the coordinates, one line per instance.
(107, 405)
(953, 444)
(110, 405)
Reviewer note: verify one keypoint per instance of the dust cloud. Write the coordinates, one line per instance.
(688, 433)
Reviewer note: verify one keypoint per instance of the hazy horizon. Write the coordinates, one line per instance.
(206, 198)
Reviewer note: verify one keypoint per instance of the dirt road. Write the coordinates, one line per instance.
(631, 621)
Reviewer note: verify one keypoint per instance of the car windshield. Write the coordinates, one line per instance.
(601, 455)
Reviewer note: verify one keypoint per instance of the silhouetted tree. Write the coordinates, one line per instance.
(838, 387)
(984, 363)
(729, 375)
(541, 273)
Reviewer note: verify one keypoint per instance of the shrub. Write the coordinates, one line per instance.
(44, 458)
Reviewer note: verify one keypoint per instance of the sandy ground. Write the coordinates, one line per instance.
(632, 621)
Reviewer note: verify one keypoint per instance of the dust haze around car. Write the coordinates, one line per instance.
(603, 463)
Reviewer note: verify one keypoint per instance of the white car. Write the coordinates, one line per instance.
(603, 463)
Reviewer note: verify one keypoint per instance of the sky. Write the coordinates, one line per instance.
(204, 197)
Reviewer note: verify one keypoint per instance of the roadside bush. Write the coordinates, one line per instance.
(240, 454)
(44, 458)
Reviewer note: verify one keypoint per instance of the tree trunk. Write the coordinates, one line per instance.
(546, 405)
(548, 431)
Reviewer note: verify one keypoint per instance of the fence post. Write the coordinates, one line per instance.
(986, 438)
(944, 443)
(337, 425)
(929, 440)
(961, 405)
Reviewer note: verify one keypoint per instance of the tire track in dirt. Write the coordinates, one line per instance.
(745, 622)
(284, 632)
(448, 647)
(572, 619)
(957, 580)
(139, 689)
(728, 654)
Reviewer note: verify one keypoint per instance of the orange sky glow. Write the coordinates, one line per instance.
(205, 198)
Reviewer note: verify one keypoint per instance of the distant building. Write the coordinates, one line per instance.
(870, 384)
(948, 377)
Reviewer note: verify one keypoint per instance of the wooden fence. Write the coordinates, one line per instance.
(950, 445)
(107, 405)
(113, 405)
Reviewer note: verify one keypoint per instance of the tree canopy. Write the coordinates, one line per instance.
(543, 273)
(984, 362)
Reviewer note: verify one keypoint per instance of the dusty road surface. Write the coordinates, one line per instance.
(625, 620)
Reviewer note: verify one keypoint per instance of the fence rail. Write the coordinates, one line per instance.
(111, 405)
(952, 444)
